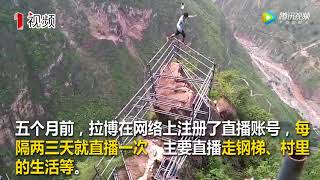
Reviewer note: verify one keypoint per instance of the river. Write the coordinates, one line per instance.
(281, 82)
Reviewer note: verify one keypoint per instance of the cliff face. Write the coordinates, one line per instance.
(286, 54)
(172, 88)
(295, 46)
(87, 67)
(97, 51)
(93, 62)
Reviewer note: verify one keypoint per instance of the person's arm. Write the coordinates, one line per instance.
(192, 16)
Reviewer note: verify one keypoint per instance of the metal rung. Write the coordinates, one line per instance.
(179, 78)
(157, 65)
(165, 97)
(166, 113)
(166, 87)
(198, 53)
(171, 105)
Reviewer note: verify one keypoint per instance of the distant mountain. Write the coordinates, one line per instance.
(289, 48)
(93, 62)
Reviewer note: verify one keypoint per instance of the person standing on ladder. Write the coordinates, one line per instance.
(181, 26)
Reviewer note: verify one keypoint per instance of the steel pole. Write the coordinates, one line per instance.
(291, 167)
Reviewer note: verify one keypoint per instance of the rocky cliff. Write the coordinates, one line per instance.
(287, 54)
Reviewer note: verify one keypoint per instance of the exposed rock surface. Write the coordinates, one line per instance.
(142, 167)
(115, 23)
(108, 21)
(172, 89)
(24, 109)
(226, 109)
(6, 131)
(286, 54)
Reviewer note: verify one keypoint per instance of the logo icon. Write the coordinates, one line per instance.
(20, 22)
(268, 17)
(35, 21)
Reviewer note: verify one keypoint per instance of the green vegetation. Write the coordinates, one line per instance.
(6, 96)
(312, 168)
(231, 85)
(217, 170)
(81, 111)
(41, 47)
(280, 39)
(105, 75)
(87, 170)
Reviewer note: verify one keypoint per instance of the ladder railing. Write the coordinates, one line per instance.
(199, 76)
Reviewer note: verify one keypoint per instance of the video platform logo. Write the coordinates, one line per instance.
(268, 17)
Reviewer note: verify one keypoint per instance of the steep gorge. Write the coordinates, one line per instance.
(287, 55)
(91, 64)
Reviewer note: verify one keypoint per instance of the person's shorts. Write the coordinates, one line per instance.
(182, 33)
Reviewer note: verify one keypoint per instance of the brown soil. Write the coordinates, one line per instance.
(226, 109)
(281, 81)
(115, 23)
(175, 91)
(108, 21)
(142, 167)
(136, 165)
